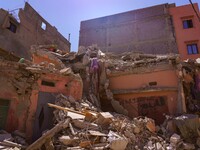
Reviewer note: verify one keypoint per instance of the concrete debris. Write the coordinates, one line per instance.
(93, 100)
(188, 124)
(66, 140)
(109, 130)
(188, 146)
(5, 136)
(175, 138)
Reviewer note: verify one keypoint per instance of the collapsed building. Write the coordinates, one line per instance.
(131, 84)
(96, 100)
(18, 33)
(25, 90)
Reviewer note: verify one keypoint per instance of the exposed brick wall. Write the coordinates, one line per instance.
(147, 30)
(29, 32)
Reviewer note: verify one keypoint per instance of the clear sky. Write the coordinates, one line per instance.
(66, 15)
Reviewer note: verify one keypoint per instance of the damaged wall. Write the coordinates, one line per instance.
(147, 94)
(8, 98)
(16, 89)
(132, 31)
(20, 94)
(67, 85)
(17, 37)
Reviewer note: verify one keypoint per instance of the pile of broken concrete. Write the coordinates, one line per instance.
(79, 125)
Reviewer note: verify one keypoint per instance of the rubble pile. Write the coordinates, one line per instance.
(50, 53)
(191, 81)
(129, 61)
(88, 128)
(14, 141)
(81, 124)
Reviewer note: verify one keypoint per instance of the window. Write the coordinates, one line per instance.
(43, 26)
(47, 83)
(153, 83)
(187, 24)
(12, 27)
(192, 49)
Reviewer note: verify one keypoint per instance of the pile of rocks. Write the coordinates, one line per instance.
(82, 126)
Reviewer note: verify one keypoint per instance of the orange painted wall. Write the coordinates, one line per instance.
(165, 78)
(16, 110)
(21, 113)
(73, 88)
(184, 36)
(38, 59)
(129, 102)
(67, 85)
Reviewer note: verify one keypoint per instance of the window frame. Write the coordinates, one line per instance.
(12, 27)
(189, 24)
(192, 48)
(43, 26)
(187, 18)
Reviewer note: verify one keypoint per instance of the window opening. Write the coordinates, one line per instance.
(43, 26)
(192, 49)
(187, 24)
(47, 83)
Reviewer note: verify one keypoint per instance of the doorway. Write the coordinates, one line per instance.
(44, 114)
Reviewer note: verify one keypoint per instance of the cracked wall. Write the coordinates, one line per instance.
(29, 31)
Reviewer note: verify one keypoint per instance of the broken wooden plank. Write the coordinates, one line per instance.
(49, 145)
(12, 144)
(100, 146)
(49, 134)
(73, 115)
(75, 148)
(96, 133)
(64, 108)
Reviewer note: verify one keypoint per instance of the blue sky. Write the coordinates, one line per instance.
(66, 15)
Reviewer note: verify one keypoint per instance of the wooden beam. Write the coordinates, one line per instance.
(64, 108)
(12, 144)
(48, 135)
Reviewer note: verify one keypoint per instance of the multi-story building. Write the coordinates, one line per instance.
(147, 30)
(161, 29)
(187, 30)
(18, 34)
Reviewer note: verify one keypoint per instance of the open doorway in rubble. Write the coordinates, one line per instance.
(44, 114)
(4, 107)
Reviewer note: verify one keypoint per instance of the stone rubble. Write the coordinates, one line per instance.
(81, 124)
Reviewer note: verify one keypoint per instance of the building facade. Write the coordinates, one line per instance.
(16, 36)
(147, 30)
(161, 29)
(187, 30)
(24, 96)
